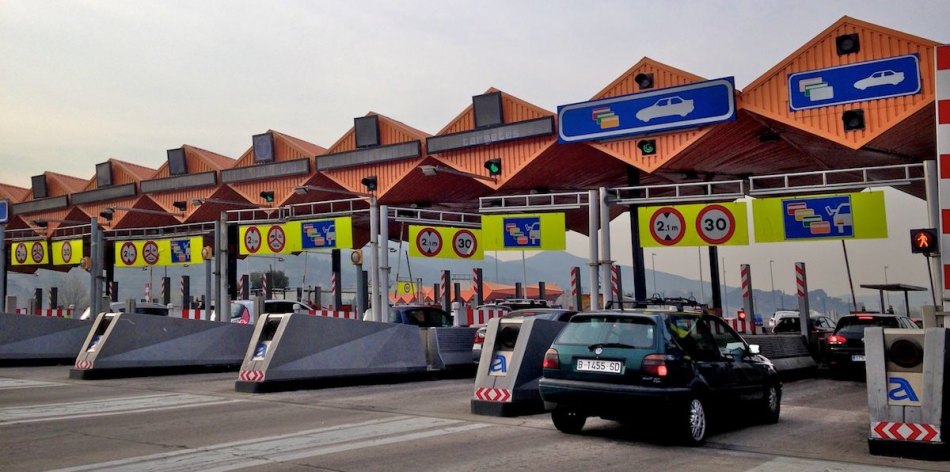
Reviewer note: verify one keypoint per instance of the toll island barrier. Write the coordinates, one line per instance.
(788, 353)
(290, 350)
(907, 383)
(506, 383)
(299, 351)
(30, 339)
(130, 344)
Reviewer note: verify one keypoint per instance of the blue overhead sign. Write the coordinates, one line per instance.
(872, 80)
(685, 106)
(4, 211)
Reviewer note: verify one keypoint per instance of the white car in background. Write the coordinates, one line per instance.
(242, 311)
(881, 77)
(141, 308)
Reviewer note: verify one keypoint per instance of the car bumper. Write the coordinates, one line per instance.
(844, 358)
(596, 396)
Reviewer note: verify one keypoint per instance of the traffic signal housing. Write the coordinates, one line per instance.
(923, 241)
(647, 146)
(494, 167)
(371, 183)
(267, 196)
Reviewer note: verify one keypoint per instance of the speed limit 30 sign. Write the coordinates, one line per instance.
(715, 224)
(464, 243)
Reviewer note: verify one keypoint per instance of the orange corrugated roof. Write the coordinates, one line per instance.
(214, 160)
(61, 184)
(286, 148)
(139, 172)
(14, 194)
(309, 148)
(767, 96)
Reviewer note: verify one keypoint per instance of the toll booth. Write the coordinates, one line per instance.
(906, 383)
(506, 383)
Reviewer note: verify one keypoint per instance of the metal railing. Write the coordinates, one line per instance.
(532, 202)
(425, 216)
(675, 193)
(838, 179)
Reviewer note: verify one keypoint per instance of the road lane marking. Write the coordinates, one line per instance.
(791, 464)
(289, 447)
(10, 384)
(104, 407)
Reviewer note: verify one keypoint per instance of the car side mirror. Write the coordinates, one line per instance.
(754, 349)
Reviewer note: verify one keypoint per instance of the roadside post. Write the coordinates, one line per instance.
(745, 271)
(801, 283)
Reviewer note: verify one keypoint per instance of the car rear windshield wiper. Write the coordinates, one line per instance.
(603, 345)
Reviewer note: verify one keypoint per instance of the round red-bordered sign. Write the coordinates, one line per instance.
(715, 224)
(276, 239)
(20, 253)
(128, 253)
(66, 252)
(464, 243)
(37, 252)
(150, 252)
(429, 242)
(667, 226)
(252, 239)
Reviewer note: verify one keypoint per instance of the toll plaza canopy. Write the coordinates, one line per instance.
(856, 95)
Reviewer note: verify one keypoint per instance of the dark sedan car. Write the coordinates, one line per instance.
(671, 369)
(845, 347)
(821, 328)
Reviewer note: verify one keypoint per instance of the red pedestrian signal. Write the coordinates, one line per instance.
(923, 241)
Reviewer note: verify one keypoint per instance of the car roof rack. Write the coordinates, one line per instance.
(659, 303)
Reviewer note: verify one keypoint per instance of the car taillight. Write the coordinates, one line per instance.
(655, 365)
(479, 337)
(835, 339)
(550, 360)
(865, 317)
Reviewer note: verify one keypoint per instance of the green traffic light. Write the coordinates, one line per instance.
(268, 197)
(493, 166)
(647, 146)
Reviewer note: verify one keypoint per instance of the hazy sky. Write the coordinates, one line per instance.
(85, 81)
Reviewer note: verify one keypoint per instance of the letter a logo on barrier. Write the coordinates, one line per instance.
(499, 364)
(903, 390)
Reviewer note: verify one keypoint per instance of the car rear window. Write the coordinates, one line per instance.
(587, 330)
(856, 324)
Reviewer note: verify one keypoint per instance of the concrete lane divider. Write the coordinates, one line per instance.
(788, 352)
(127, 344)
(506, 383)
(40, 339)
(290, 350)
(908, 406)
(449, 348)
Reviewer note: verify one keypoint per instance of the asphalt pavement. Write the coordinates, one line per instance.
(198, 422)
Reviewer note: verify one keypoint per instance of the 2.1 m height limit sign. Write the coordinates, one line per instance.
(717, 224)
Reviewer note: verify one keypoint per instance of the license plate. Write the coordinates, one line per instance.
(594, 365)
(857, 358)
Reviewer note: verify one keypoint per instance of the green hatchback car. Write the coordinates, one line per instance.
(675, 369)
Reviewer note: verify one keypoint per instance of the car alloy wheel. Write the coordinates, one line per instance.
(695, 425)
